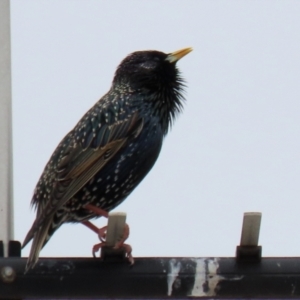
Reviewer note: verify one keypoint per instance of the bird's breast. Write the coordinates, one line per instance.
(113, 183)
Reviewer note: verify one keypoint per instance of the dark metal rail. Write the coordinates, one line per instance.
(88, 278)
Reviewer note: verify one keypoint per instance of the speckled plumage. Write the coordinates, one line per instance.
(112, 147)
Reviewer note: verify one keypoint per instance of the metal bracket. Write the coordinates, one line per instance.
(14, 249)
(249, 251)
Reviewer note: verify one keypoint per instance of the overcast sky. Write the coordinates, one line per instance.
(234, 149)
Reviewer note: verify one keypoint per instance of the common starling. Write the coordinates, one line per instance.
(112, 148)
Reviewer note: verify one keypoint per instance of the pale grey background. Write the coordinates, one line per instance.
(234, 149)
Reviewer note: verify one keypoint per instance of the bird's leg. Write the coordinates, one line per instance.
(102, 233)
(98, 211)
(90, 226)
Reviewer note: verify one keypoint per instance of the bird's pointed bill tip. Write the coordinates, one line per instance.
(175, 56)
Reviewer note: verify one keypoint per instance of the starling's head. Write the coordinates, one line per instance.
(149, 69)
(154, 75)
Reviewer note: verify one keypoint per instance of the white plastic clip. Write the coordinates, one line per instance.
(249, 251)
(250, 230)
(115, 228)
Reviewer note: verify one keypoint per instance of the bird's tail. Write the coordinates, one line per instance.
(40, 238)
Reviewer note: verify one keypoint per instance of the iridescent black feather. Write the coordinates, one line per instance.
(112, 147)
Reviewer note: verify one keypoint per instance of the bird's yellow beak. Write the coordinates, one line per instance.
(175, 56)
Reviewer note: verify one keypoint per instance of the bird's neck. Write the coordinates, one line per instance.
(162, 105)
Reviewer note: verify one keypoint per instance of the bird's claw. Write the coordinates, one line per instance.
(96, 248)
(128, 250)
(119, 244)
(102, 234)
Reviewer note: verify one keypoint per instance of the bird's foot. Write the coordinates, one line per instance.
(126, 247)
(118, 245)
(102, 234)
(96, 248)
(128, 250)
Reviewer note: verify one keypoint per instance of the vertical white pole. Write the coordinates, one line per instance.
(6, 186)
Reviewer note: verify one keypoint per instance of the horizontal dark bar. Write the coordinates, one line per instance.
(84, 278)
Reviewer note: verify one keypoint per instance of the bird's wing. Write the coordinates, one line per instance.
(79, 162)
(79, 165)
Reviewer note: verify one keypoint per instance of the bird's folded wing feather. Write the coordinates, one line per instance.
(80, 163)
